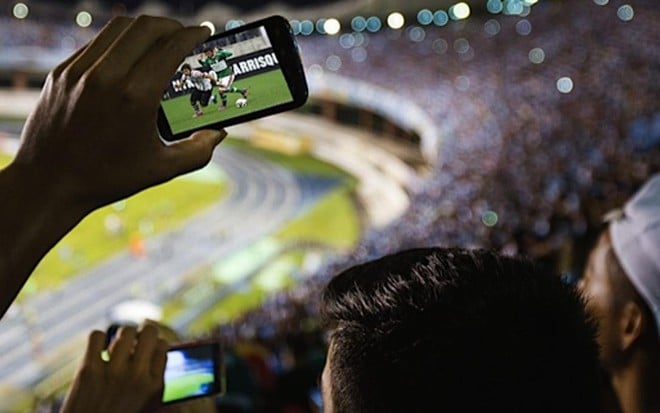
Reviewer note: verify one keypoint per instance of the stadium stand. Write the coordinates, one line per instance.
(524, 167)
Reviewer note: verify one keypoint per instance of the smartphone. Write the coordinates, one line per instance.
(193, 370)
(242, 74)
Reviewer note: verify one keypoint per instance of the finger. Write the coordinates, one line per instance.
(193, 153)
(159, 360)
(66, 63)
(95, 346)
(122, 347)
(146, 341)
(138, 38)
(161, 62)
(99, 45)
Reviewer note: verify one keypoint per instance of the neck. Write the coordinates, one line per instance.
(636, 384)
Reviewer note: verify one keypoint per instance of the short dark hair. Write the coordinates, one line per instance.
(208, 49)
(186, 66)
(452, 330)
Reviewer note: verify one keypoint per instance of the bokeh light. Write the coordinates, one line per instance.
(440, 18)
(492, 27)
(513, 7)
(489, 218)
(459, 11)
(440, 46)
(565, 84)
(417, 34)
(315, 70)
(462, 83)
(360, 39)
(232, 24)
(358, 23)
(333, 62)
(210, 25)
(306, 27)
(601, 2)
(320, 25)
(347, 40)
(425, 17)
(396, 20)
(495, 6)
(536, 55)
(523, 27)
(359, 54)
(295, 26)
(332, 26)
(21, 10)
(84, 19)
(461, 45)
(625, 13)
(374, 24)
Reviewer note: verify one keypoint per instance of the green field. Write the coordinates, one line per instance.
(265, 90)
(150, 212)
(186, 385)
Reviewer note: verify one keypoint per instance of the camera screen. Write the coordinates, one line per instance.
(190, 372)
(226, 77)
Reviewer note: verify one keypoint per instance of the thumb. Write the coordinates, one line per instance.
(194, 152)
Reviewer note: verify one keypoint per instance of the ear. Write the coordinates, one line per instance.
(632, 324)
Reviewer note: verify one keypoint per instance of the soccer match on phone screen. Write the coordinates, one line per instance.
(225, 78)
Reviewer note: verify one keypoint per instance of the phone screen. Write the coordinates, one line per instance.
(232, 76)
(192, 371)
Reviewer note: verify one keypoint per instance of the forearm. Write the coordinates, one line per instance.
(34, 216)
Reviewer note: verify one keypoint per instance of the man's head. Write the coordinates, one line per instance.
(622, 279)
(454, 330)
(209, 52)
(186, 69)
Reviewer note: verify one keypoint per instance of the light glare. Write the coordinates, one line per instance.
(210, 25)
(21, 10)
(565, 84)
(84, 19)
(332, 26)
(459, 11)
(395, 20)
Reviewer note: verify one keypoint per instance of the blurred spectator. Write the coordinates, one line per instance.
(622, 283)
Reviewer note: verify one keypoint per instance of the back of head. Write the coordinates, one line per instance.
(455, 330)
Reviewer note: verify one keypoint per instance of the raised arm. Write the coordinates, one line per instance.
(92, 140)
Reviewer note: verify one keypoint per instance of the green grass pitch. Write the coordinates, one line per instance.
(185, 386)
(265, 90)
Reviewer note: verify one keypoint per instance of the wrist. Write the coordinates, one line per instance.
(38, 212)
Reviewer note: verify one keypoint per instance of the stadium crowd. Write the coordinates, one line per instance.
(524, 167)
(538, 169)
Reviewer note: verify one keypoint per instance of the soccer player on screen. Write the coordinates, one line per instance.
(203, 87)
(217, 61)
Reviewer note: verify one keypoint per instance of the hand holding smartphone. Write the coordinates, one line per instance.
(193, 369)
(236, 76)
